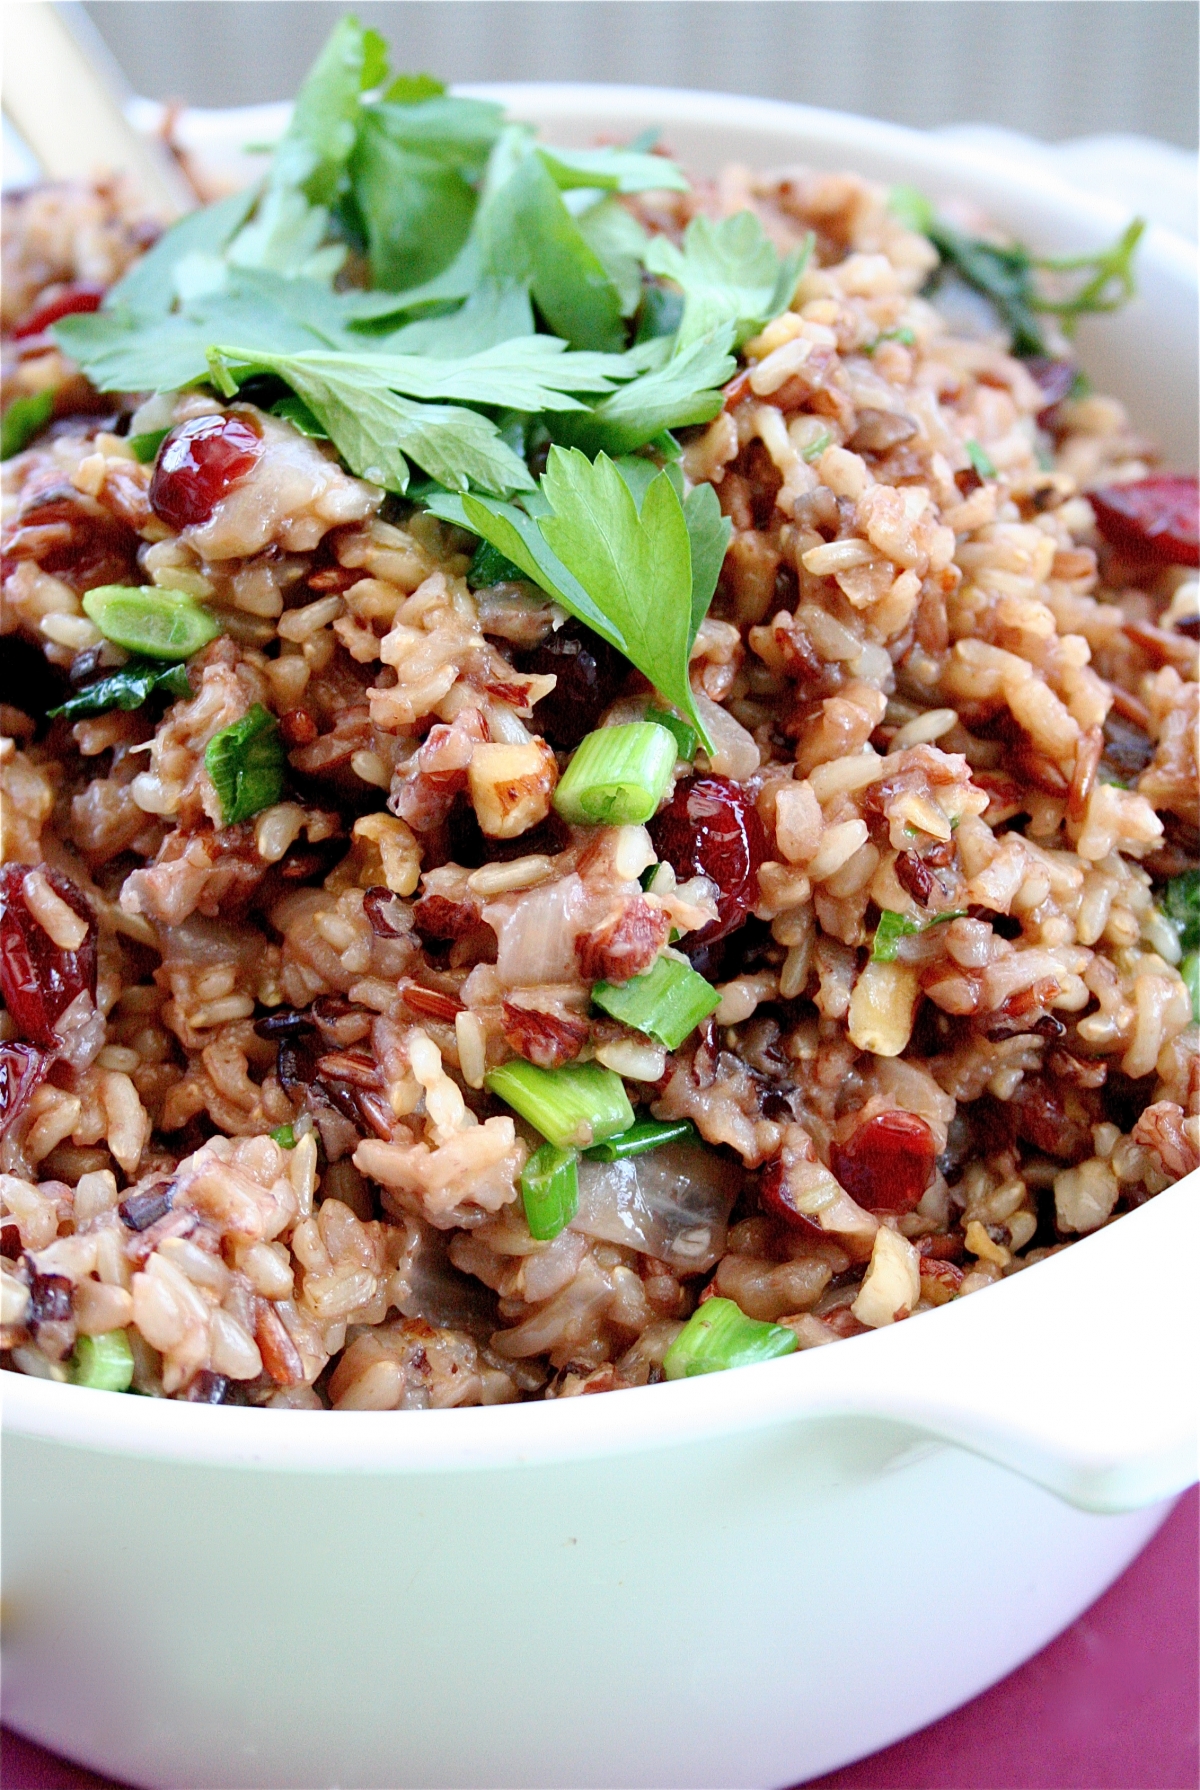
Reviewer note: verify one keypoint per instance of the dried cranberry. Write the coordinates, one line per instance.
(1055, 379)
(710, 827)
(386, 913)
(589, 673)
(74, 537)
(49, 1300)
(1157, 517)
(39, 979)
(1038, 1114)
(886, 1164)
(21, 1069)
(199, 463)
(10, 1240)
(207, 1388)
(138, 1211)
(71, 302)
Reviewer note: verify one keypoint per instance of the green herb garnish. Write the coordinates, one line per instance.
(1181, 904)
(161, 624)
(730, 274)
(573, 1107)
(127, 688)
(647, 1134)
(104, 1362)
(686, 738)
(145, 447)
(1005, 273)
(550, 1191)
(1189, 969)
(284, 1136)
(980, 460)
(718, 1335)
(667, 1003)
(246, 763)
(24, 418)
(893, 927)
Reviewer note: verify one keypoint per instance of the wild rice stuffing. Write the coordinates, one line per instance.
(243, 1065)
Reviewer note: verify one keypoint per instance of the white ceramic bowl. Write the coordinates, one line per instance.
(745, 1579)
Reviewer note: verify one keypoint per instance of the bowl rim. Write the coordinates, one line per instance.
(1120, 1437)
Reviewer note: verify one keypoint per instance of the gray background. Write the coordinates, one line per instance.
(1055, 68)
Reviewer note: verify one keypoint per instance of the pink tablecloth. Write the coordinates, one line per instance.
(1113, 1704)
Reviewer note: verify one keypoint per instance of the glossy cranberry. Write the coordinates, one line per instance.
(70, 303)
(710, 828)
(1055, 380)
(589, 673)
(199, 463)
(1158, 518)
(21, 1069)
(38, 979)
(886, 1164)
(776, 1195)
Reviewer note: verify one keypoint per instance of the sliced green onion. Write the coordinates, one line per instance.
(127, 688)
(719, 1335)
(103, 1362)
(980, 460)
(1181, 904)
(489, 566)
(24, 418)
(1189, 969)
(246, 763)
(575, 1106)
(284, 1136)
(686, 737)
(647, 1134)
(618, 775)
(550, 1191)
(667, 1003)
(893, 927)
(145, 447)
(162, 624)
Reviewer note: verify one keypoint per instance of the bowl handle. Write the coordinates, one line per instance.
(1075, 1375)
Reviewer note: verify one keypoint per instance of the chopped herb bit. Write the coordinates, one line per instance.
(893, 927)
(574, 1107)
(667, 1003)
(1189, 969)
(284, 1136)
(904, 335)
(127, 688)
(980, 460)
(647, 1134)
(686, 737)
(161, 624)
(817, 446)
(24, 418)
(718, 1335)
(246, 763)
(105, 1363)
(550, 1191)
(618, 775)
(145, 447)
(490, 566)
(1181, 904)
(1005, 274)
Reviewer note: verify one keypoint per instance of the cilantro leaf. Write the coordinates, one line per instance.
(729, 272)
(148, 289)
(612, 170)
(636, 567)
(127, 688)
(619, 241)
(515, 535)
(492, 314)
(684, 390)
(708, 532)
(414, 174)
(374, 429)
(319, 140)
(893, 927)
(526, 233)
